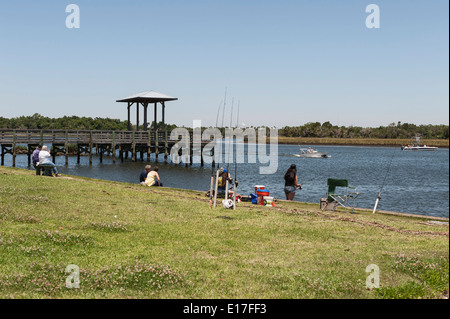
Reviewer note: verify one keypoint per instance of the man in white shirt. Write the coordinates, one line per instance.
(45, 159)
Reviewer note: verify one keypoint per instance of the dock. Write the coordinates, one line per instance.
(118, 144)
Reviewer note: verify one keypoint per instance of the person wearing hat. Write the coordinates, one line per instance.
(45, 159)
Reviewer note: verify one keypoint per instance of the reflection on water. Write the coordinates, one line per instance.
(417, 182)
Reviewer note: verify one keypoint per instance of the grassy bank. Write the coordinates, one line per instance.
(357, 141)
(131, 241)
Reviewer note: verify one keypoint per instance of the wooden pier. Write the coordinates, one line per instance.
(133, 143)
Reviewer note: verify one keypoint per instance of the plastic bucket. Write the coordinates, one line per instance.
(268, 200)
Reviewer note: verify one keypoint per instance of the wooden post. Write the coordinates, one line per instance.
(66, 147)
(113, 146)
(29, 154)
(90, 147)
(52, 148)
(149, 145)
(156, 123)
(226, 186)
(14, 149)
(145, 115)
(163, 115)
(137, 116)
(166, 142)
(156, 145)
(129, 123)
(216, 187)
(133, 148)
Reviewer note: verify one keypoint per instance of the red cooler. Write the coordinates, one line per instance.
(260, 193)
(258, 187)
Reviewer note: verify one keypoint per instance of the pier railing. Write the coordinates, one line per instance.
(61, 137)
(134, 142)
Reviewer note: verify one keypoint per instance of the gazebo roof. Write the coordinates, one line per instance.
(149, 97)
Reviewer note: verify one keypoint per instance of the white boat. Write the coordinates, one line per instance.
(416, 146)
(310, 152)
(419, 148)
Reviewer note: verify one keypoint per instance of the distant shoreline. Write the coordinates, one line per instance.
(444, 143)
(282, 140)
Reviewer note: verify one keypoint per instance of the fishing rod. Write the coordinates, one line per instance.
(223, 116)
(235, 163)
(231, 123)
(218, 162)
(382, 185)
(212, 163)
(237, 126)
(228, 158)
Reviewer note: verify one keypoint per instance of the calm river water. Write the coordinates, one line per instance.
(415, 182)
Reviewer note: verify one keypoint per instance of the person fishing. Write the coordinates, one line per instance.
(291, 182)
(224, 176)
(35, 158)
(46, 159)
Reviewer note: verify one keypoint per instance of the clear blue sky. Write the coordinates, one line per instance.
(287, 62)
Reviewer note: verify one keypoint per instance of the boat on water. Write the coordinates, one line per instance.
(416, 145)
(310, 152)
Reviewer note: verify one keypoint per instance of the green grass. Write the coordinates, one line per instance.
(131, 241)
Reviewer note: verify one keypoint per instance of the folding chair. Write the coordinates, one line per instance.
(346, 196)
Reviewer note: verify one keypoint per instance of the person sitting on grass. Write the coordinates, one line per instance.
(45, 159)
(153, 178)
(144, 174)
(35, 158)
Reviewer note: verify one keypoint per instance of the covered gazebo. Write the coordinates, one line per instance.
(144, 99)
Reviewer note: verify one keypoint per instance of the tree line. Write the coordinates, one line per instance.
(39, 122)
(392, 131)
(311, 129)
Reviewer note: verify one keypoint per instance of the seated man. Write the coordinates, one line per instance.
(35, 158)
(144, 173)
(45, 159)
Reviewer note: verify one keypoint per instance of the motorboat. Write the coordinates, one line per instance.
(310, 152)
(416, 145)
(419, 148)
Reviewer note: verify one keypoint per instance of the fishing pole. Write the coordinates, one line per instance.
(235, 163)
(223, 116)
(384, 181)
(231, 123)
(212, 163)
(218, 162)
(228, 158)
(237, 126)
